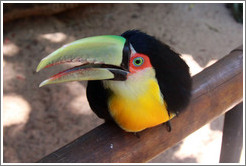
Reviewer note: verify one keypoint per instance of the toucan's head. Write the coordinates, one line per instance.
(120, 57)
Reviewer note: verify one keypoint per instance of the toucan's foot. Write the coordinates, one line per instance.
(177, 113)
(136, 134)
(168, 125)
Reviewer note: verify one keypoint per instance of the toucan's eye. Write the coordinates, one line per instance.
(138, 61)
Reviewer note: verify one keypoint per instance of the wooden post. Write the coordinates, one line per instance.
(232, 141)
(215, 90)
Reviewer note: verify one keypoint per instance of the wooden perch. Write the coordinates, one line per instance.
(215, 90)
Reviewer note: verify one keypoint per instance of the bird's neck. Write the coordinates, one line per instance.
(134, 86)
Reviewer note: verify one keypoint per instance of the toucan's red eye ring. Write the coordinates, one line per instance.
(138, 61)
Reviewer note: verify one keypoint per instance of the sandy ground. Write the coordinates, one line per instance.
(37, 121)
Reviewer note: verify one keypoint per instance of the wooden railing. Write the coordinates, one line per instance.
(216, 90)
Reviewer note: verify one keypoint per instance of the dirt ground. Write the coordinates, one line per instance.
(38, 121)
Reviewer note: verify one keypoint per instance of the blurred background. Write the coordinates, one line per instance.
(38, 121)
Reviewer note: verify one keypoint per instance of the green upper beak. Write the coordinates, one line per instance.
(101, 57)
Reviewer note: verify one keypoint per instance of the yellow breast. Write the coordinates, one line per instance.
(137, 104)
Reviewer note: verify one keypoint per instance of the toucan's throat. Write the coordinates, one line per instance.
(137, 103)
(134, 85)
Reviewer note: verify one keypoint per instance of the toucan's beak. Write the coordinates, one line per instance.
(101, 57)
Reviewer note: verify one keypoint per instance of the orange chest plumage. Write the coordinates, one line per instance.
(137, 104)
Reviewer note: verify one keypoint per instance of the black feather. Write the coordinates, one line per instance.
(97, 97)
(172, 72)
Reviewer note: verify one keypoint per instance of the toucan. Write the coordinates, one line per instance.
(134, 79)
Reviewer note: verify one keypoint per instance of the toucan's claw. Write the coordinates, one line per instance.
(136, 134)
(177, 113)
(168, 125)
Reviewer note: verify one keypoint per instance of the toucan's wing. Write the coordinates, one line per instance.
(97, 97)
